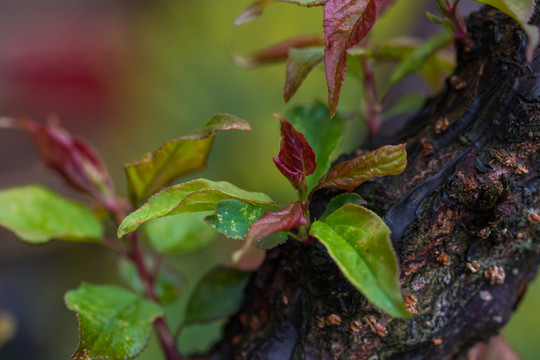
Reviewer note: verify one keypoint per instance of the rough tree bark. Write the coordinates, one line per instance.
(464, 215)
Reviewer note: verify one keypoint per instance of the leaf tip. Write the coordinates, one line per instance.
(237, 255)
(250, 13)
(279, 117)
(122, 230)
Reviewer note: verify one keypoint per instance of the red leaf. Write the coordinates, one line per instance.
(72, 158)
(288, 218)
(279, 52)
(299, 64)
(296, 158)
(383, 5)
(346, 23)
(348, 175)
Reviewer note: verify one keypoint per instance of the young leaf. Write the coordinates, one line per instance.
(359, 242)
(419, 56)
(37, 215)
(296, 158)
(256, 9)
(168, 285)
(288, 218)
(340, 200)
(233, 219)
(113, 323)
(180, 234)
(278, 52)
(322, 133)
(434, 18)
(192, 196)
(72, 158)
(434, 67)
(348, 175)
(346, 23)
(300, 62)
(217, 295)
(177, 157)
(521, 11)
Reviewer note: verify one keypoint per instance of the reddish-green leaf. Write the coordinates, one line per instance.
(256, 9)
(359, 243)
(521, 11)
(177, 157)
(296, 158)
(279, 52)
(346, 23)
(72, 158)
(288, 218)
(299, 64)
(348, 175)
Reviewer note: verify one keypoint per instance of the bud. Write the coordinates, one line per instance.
(76, 161)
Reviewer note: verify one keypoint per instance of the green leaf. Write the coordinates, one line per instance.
(233, 219)
(217, 295)
(521, 11)
(177, 157)
(348, 175)
(359, 242)
(168, 284)
(300, 62)
(322, 133)
(406, 105)
(38, 215)
(340, 200)
(420, 55)
(183, 233)
(278, 52)
(192, 196)
(113, 323)
(436, 66)
(434, 18)
(256, 9)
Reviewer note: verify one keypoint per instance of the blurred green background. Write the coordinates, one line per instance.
(126, 76)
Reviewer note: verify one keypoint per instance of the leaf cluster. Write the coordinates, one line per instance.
(115, 322)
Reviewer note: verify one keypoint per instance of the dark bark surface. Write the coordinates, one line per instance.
(465, 217)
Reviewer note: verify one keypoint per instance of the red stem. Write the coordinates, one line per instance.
(166, 339)
(373, 107)
(460, 29)
(147, 277)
